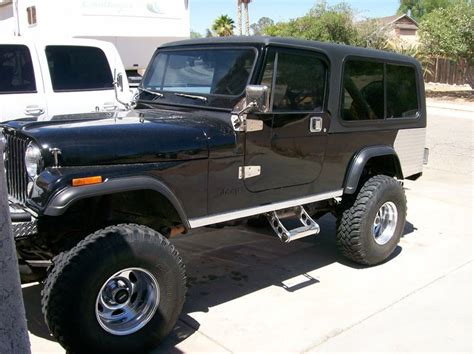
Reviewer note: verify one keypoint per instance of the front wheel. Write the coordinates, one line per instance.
(370, 225)
(120, 290)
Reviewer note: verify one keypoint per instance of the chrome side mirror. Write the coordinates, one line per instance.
(118, 85)
(257, 99)
(119, 81)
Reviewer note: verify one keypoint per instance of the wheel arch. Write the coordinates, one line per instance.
(382, 159)
(62, 201)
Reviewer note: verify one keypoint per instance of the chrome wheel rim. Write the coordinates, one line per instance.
(127, 301)
(385, 223)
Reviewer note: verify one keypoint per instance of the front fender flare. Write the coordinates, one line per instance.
(60, 202)
(359, 161)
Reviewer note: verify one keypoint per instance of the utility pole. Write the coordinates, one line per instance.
(13, 330)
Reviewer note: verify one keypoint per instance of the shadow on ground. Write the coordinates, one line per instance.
(228, 263)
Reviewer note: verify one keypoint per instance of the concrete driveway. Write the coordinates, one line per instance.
(250, 293)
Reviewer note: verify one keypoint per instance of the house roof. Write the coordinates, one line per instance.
(395, 19)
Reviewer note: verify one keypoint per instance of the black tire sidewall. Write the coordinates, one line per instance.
(121, 251)
(389, 192)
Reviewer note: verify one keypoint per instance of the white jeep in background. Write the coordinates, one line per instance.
(41, 79)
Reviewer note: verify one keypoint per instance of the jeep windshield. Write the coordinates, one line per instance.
(204, 77)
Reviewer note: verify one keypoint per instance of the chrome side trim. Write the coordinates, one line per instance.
(242, 213)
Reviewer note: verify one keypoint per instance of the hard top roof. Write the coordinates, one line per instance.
(331, 49)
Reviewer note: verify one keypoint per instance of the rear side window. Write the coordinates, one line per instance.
(363, 90)
(299, 83)
(375, 90)
(402, 97)
(16, 70)
(75, 68)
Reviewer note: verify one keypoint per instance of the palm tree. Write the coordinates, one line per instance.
(246, 15)
(239, 17)
(223, 26)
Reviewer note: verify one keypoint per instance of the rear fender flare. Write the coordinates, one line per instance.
(354, 172)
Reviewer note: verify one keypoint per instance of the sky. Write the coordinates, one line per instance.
(204, 12)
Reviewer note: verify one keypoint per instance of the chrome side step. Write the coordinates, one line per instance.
(306, 226)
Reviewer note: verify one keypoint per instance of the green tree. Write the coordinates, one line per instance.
(372, 34)
(420, 8)
(223, 26)
(322, 22)
(259, 28)
(195, 34)
(449, 33)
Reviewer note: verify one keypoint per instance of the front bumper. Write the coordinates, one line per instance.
(24, 224)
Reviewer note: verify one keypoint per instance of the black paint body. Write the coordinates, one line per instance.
(192, 150)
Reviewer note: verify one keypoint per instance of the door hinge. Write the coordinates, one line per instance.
(249, 171)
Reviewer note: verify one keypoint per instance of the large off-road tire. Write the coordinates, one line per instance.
(370, 224)
(120, 290)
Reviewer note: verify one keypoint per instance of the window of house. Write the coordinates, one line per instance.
(74, 68)
(16, 70)
(300, 82)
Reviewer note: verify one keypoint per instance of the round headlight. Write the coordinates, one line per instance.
(33, 160)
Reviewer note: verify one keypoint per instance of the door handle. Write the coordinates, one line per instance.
(109, 106)
(34, 110)
(315, 124)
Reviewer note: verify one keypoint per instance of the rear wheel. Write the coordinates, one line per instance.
(119, 290)
(371, 223)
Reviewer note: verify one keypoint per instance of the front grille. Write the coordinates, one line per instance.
(17, 178)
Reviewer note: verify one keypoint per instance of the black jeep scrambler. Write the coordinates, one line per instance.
(223, 130)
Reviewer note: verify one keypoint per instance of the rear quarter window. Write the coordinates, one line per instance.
(402, 96)
(76, 68)
(363, 90)
(378, 90)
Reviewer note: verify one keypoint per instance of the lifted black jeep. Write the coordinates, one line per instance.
(223, 130)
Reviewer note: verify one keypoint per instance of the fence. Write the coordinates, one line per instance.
(449, 72)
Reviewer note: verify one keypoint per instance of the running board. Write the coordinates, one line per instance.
(306, 225)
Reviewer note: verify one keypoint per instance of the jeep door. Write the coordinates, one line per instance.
(289, 150)
(21, 86)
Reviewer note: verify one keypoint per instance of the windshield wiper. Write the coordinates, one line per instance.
(157, 94)
(193, 97)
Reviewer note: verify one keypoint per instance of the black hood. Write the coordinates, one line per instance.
(139, 136)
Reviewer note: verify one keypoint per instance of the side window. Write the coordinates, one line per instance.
(402, 95)
(16, 70)
(267, 77)
(300, 82)
(363, 90)
(75, 68)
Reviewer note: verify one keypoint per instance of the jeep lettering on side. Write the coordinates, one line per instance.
(224, 130)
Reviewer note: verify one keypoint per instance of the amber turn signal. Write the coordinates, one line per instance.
(76, 182)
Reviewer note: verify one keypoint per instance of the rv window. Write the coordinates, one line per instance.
(16, 70)
(75, 68)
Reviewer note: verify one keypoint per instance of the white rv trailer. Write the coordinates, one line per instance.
(135, 27)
